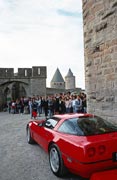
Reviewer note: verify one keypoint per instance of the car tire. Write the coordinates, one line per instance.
(29, 137)
(56, 161)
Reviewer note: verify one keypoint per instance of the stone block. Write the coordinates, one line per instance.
(101, 56)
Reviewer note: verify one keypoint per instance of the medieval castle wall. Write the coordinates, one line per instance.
(27, 81)
(100, 46)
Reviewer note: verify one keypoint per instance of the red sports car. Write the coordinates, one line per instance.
(79, 143)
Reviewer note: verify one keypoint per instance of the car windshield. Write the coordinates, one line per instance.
(86, 126)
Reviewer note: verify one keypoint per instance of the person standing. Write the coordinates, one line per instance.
(50, 106)
(73, 103)
(45, 106)
(34, 108)
(78, 104)
(39, 105)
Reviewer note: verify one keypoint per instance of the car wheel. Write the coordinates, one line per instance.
(29, 138)
(56, 161)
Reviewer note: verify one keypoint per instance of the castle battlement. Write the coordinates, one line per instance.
(25, 83)
(35, 71)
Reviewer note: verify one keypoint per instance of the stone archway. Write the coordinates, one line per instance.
(6, 93)
(6, 98)
(15, 91)
(18, 90)
(22, 91)
(11, 91)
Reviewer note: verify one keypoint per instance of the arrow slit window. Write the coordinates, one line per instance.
(39, 72)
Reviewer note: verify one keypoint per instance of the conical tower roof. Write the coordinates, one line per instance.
(69, 74)
(57, 77)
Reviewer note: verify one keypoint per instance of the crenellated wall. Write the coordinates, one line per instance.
(100, 51)
(26, 82)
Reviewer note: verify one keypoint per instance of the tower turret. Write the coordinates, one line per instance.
(57, 81)
(69, 80)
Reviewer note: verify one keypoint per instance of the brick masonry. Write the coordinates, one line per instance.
(100, 51)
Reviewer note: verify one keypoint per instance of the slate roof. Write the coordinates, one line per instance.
(57, 77)
(69, 74)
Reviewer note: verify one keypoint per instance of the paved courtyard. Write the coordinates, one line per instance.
(18, 159)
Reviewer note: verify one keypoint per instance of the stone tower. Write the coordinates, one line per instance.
(100, 50)
(69, 80)
(57, 81)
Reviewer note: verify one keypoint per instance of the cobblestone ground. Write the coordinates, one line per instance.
(18, 159)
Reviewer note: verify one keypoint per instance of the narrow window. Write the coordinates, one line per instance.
(25, 72)
(38, 71)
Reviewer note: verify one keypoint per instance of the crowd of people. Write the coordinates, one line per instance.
(49, 105)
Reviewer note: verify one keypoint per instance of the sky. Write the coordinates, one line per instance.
(43, 33)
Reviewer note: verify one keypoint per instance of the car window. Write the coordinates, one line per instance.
(51, 122)
(85, 126)
(96, 125)
(70, 126)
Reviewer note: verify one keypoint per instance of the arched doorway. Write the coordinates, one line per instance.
(15, 91)
(6, 94)
(22, 91)
(18, 91)
(6, 99)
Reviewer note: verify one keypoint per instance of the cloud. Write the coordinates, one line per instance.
(43, 32)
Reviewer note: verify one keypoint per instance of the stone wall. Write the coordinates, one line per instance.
(6, 72)
(28, 81)
(38, 81)
(100, 50)
(70, 82)
(37, 87)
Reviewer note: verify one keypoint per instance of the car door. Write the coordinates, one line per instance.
(44, 133)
